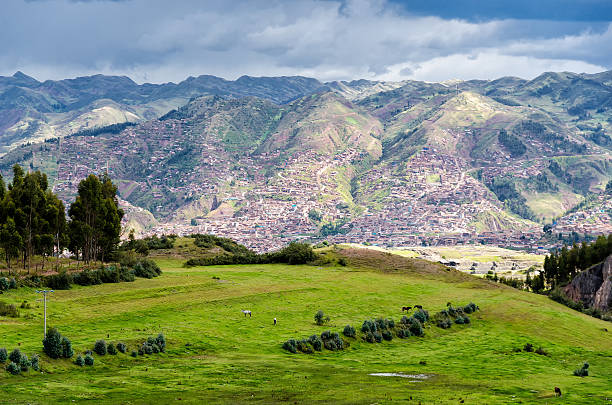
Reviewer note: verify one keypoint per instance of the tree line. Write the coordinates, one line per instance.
(562, 266)
(34, 220)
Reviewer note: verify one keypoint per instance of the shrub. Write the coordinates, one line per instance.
(415, 327)
(121, 347)
(459, 320)
(89, 360)
(12, 283)
(334, 342)
(381, 324)
(35, 362)
(100, 347)
(67, 351)
(403, 333)
(59, 281)
(294, 253)
(342, 261)
(369, 337)
(147, 348)
(377, 337)
(421, 315)
(304, 347)
(160, 340)
(443, 323)
(24, 363)
(386, 334)
(469, 308)
(540, 350)
(528, 348)
(79, 361)
(3, 355)
(290, 345)
(111, 349)
(146, 268)
(466, 319)
(320, 318)
(15, 356)
(13, 368)
(326, 335)
(390, 323)
(349, 331)
(134, 353)
(316, 342)
(582, 372)
(594, 312)
(9, 310)
(368, 326)
(4, 284)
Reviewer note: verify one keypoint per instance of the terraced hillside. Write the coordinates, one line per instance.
(215, 354)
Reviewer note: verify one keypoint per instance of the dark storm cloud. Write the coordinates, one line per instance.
(157, 40)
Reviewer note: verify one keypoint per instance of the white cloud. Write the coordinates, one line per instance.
(158, 41)
(485, 65)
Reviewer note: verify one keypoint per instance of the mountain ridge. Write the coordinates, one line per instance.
(494, 157)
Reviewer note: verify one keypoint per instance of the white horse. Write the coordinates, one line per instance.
(246, 312)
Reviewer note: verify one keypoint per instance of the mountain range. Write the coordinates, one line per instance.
(275, 159)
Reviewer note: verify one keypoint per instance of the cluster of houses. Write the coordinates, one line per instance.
(270, 198)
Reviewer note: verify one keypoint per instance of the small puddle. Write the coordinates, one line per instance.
(413, 377)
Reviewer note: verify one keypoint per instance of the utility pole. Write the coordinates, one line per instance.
(44, 293)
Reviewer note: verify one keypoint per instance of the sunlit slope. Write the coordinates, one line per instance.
(217, 355)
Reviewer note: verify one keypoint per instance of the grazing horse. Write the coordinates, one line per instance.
(245, 312)
(557, 391)
(418, 306)
(406, 309)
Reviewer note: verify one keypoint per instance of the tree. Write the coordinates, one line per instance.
(52, 343)
(95, 216)
(10, 241)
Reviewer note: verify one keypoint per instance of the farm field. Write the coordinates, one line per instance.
(509, 262)
(216, 355)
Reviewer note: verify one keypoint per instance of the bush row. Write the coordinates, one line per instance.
(125, 272)
(149, 346)
(445, 318)
(328, 340)
(7, 284)
(294, 253)
(18, 361)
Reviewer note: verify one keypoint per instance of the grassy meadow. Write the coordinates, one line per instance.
(216, 355)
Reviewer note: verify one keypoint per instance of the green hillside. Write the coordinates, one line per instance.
(215, 354)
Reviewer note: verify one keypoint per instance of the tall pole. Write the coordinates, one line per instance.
(44, 293)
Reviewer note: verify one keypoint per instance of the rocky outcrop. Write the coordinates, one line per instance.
(593, 287)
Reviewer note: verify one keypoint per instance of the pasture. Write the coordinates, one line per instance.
(217, 355)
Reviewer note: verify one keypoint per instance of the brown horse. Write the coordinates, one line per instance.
(418, 306)
(557, 391)
(406, 309)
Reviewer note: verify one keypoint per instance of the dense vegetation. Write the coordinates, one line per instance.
(506, 191)
(562, 266)
(108, 129)
(143, 245)
(34, 221)
(512, 143)
(294, 253)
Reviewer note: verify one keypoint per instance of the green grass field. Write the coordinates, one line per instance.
(216, 355)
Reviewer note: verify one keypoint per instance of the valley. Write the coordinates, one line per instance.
(392, 164)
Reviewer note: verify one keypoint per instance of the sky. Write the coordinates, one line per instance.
(433, 40)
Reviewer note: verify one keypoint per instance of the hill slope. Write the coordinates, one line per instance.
(414, 163)
(215, 354)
